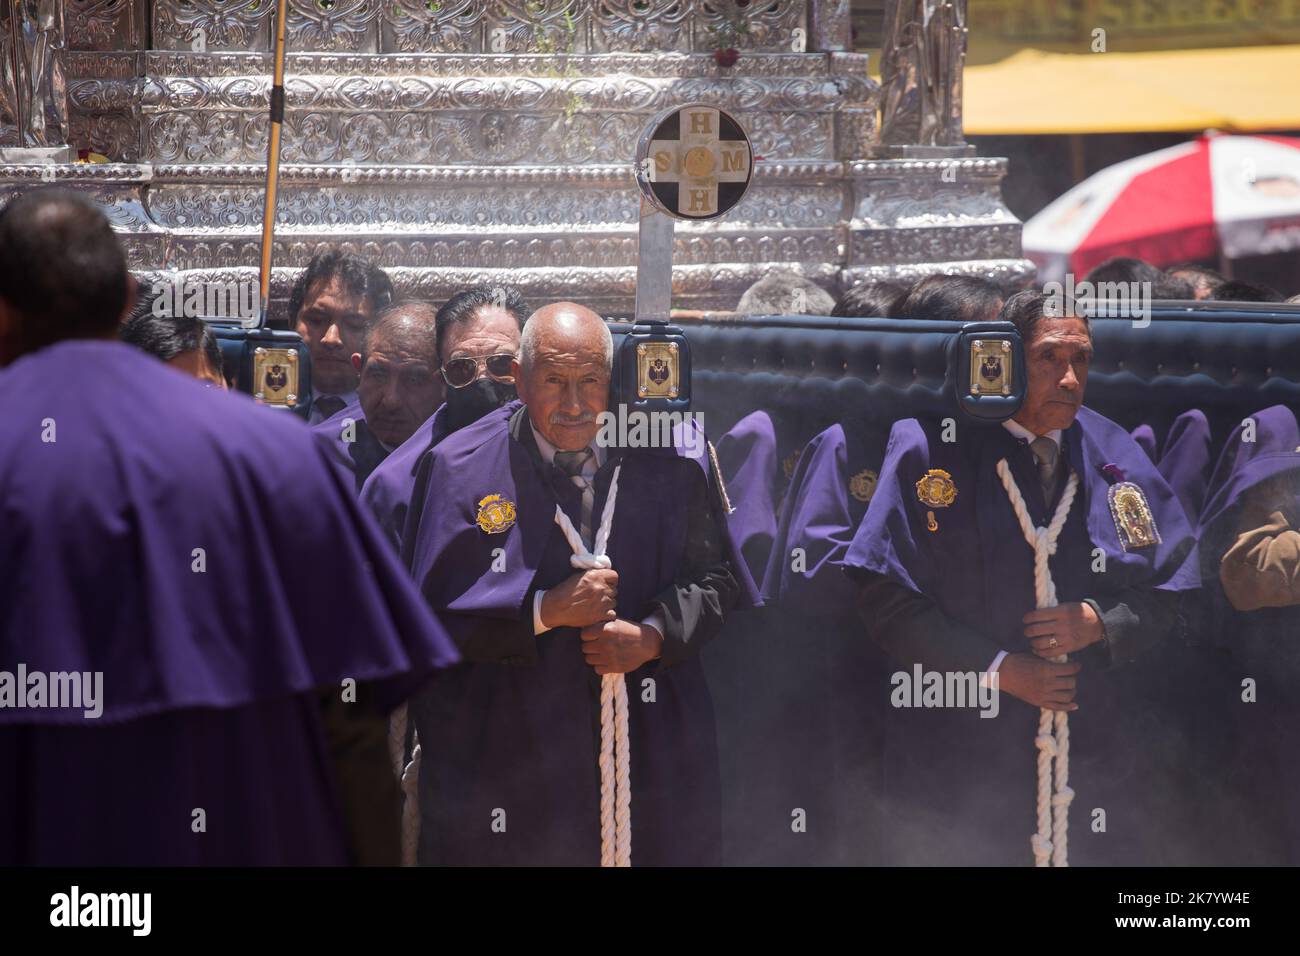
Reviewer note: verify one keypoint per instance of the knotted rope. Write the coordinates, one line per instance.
(615, 777)
(1053, 741)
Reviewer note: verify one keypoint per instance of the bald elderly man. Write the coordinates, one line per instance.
(399, 389)
(511, 739)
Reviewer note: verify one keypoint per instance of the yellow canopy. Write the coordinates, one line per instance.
(1238, 89)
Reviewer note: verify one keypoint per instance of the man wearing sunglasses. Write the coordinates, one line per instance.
(477, 338)
(512, 736)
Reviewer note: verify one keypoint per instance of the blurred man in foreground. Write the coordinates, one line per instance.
(163, 595)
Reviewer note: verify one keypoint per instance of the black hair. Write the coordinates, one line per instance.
(867, 300)
(360, 278)
(462, 306)
(167, 336)
(1125, 269)
(1246, 292)
(1025, 310)
(62, 269)
(1200, 276)
(956, 298)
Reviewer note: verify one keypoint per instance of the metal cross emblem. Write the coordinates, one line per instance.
(692, 162)
(697, 163)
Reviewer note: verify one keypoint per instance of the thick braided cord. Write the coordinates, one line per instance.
(615, 759)
(1050, 843)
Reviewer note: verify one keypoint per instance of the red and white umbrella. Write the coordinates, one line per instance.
(1214, 198)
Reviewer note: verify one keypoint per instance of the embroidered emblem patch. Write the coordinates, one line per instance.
(1134, 522)
(495, 514)
(863, 485)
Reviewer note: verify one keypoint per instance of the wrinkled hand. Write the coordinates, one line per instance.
(620, 646)
(1073, 626)
(587, 597)
(1039, 682)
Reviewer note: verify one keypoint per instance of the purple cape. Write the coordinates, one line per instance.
(1145, 436)
(961, 787)
(114, 471)
(387, 492)
(747, 459)
(799, 693)
(1244, 464)
(1259, 644)
(518, 732)
(835, 478)
(1186, 461)
(360, 456)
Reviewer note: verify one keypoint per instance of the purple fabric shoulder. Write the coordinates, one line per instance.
(747, 459)
(1145, 436)
(1263, 446)
(196, 548)
(387, 492)
(1187, 461)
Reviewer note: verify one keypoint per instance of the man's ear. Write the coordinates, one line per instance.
(521, 389)
(357, 362)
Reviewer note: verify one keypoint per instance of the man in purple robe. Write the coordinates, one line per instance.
(511, 738)
(477, 343)
(165, 640)
(399, 390)
(946, 585)
(1250, 552)
(335, 299)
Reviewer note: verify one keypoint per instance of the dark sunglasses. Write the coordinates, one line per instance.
(460, 372)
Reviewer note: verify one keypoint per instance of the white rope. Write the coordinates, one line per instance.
(615, 765)
(1050, 843)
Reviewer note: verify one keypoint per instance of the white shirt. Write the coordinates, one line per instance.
(1020, 431)
(589, 469)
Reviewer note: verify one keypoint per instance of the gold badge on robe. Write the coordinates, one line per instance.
(863, 485)
(1134, 522)
(936, 489)
(495, 514)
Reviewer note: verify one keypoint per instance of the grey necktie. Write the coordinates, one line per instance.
(1047, 455)
(572, 463)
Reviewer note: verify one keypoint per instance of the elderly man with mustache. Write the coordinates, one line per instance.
(511, 739)
(945, 565)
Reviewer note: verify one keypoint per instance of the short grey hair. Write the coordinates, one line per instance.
(528, 344)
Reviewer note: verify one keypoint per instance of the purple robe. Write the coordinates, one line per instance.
(1262, 759)
(114, 470)
(387, 492)
(1145, 436)
(358, 457)
(1187, 460)
(514, 730)
(747, 459)
(961, 787)
(804, 726)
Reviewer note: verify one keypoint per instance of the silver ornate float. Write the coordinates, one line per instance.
(468, 140)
